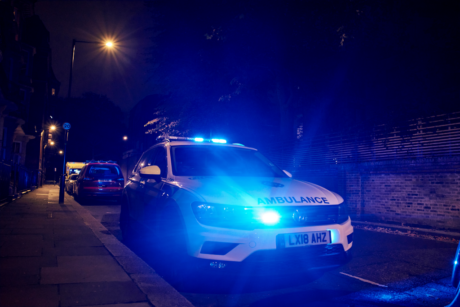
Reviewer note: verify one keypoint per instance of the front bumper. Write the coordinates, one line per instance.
(285, 261)
(261, 246)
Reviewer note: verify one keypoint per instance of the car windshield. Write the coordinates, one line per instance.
(221, 161)
(103, 171)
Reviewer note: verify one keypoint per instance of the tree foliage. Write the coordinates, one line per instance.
(250, 69)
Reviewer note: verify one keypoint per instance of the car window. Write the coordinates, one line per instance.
(141, 163)
(161, 160)
(103, 171)
(221, 161)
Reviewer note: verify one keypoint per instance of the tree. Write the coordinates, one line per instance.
(262, 68)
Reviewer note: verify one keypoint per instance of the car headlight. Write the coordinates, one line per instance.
(342, 214)
(238, 217)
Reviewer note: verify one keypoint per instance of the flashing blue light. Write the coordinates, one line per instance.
(270, 218)
(199, 139)
(221, 141)
(455, 262)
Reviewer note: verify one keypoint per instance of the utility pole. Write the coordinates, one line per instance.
(66, 127)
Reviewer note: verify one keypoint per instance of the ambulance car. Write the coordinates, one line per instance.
(227, 207)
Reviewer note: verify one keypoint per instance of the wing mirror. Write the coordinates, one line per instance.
(287, 173)
(150, 172)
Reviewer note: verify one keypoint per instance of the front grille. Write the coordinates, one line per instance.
(307, 215)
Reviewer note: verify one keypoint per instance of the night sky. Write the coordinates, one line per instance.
(230, 67)
(121, 75)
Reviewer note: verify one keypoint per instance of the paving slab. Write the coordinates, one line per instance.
(20, 250)
(38, 231)
(28, 296)
(83, 269)
(75, 251)
(70, 240)
(16, 278)
(123, 305)
(60, 255)
(82, 294)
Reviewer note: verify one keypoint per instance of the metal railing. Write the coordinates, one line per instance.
(16, 178)
(436, 136)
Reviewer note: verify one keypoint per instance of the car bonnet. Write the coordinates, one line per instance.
(258, 191)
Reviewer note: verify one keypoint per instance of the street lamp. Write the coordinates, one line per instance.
(53, 127)
(52, 143)
(61, 152)
(108, 44)
(125, 138)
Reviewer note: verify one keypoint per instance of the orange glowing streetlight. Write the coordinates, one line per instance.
(125, 138)
(52, 127)
(52, 143)
(109, 44)
(61, 152)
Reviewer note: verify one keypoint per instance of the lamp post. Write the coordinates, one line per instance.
(74, 42)
(66, 127)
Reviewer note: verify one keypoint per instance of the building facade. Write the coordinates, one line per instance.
(27, 84)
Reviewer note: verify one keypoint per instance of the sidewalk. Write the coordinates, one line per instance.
(59, 255)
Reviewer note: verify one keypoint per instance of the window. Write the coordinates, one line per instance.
(161, 160)
(103, 171)
(221, 161)
(141, 163)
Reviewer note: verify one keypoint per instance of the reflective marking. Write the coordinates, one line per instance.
(365, 280)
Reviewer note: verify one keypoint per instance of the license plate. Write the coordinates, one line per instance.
(307, 238)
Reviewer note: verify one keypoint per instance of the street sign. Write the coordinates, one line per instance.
(66, 126)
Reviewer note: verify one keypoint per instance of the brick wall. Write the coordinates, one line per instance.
(427, 194)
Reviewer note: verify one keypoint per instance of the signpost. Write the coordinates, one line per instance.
(66, 127)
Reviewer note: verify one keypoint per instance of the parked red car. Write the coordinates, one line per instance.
(99, 179)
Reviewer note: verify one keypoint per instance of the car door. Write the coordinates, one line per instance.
(153, 188)
(135, 187)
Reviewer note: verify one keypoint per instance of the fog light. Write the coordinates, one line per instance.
(270, 218)
(217, 265)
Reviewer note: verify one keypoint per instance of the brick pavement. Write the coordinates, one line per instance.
(59, 255)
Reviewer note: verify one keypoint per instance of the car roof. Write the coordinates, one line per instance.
(186, 143)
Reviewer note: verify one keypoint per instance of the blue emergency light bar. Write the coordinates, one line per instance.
(198, 139)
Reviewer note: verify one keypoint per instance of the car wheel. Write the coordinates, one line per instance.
(127, 231)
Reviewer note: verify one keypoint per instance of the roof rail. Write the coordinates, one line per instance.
(183, 138)
(99, 161)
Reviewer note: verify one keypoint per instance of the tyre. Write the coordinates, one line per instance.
(127, 231)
